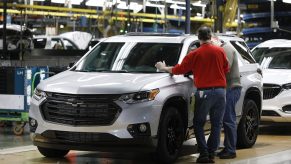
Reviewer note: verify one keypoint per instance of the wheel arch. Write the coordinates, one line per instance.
(181, 104)
(255, 94)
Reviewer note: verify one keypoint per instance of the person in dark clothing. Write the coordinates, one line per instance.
(233, 91)
(209, 66)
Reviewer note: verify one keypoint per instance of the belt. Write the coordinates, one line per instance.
(210, 88)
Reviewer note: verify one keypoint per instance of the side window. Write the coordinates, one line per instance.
(69, 45)
(242, 48)
(39, 43)
(57, 44)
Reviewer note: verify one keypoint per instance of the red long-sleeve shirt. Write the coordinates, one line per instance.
(208, 64)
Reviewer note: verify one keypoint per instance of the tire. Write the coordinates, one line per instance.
(18, 130)
(171, 135)
(248, 127)
(52, 153)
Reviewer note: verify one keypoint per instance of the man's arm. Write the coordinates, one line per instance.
(162, 67)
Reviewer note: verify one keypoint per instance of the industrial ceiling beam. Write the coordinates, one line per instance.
(100, 16)
(90, 12)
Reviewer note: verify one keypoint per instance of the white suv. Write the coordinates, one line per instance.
(114, 98)
(274, 57)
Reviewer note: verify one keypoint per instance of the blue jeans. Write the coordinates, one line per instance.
(229, 119)
(210, 101)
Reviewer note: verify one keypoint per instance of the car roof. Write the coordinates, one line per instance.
(14, 27)
(162, 38)
(45, 36)
(275, 43)
(146, 38)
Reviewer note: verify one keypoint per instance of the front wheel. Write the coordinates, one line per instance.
(171, 135)
(52, 153)
(248, 127)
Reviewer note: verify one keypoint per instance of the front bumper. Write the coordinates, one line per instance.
(105, 142)
(274, 110)
(132, 114)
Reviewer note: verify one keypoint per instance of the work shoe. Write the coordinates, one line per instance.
(211, 155)
(203, 158)
(227, 155)
(221, 152)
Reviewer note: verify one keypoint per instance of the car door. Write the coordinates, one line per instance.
(249, 71)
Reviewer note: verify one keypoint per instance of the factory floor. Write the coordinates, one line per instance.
(273, 146)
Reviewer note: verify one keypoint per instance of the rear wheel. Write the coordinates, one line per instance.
(248, 127)
(52, 153)
(171, 135)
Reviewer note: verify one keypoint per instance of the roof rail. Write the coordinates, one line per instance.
(153, 34)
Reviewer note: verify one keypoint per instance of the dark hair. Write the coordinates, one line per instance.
(204, 33)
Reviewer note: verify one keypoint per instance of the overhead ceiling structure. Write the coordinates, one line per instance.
(121, 5)
(134, 5)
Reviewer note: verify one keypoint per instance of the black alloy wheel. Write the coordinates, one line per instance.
(248, 127)
(171, 135)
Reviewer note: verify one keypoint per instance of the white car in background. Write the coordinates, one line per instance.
(54, 42)
(274, 57)
(14, 38)
(270, 46)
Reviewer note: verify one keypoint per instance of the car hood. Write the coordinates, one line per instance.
(276, 76)
(98, 83)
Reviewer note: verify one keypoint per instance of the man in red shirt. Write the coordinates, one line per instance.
(209, 66)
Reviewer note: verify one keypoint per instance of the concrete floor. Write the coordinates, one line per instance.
(273, 146)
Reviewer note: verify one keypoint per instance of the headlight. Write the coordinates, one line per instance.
(286, 86)
(38, 94)
(138, 97)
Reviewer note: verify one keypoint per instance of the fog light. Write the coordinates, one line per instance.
(32, 122)
(142, 128)
(139, 130)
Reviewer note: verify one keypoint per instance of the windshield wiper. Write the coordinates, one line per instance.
(278, 68)
(115, 71)
(120, 71)
(102, 70)
(81, 70)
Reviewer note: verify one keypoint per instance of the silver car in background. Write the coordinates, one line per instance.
(114, 98)
(274, 56)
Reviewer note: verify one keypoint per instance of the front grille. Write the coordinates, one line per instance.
(78, 110)
(271, 90)
(79, 137)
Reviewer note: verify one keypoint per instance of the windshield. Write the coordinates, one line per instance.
(260, 52)
(101, 58)
(277, 61)
(141, 58)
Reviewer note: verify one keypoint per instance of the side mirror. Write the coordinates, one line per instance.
(70, 65)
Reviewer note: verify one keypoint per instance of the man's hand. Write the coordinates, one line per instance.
(161, 66)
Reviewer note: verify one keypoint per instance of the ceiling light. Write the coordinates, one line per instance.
(175, 6)
(199, 3)
(148, 4)
(287, 1)
(99, 3)
(73, 2)
(176, 2)
(132, 6)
